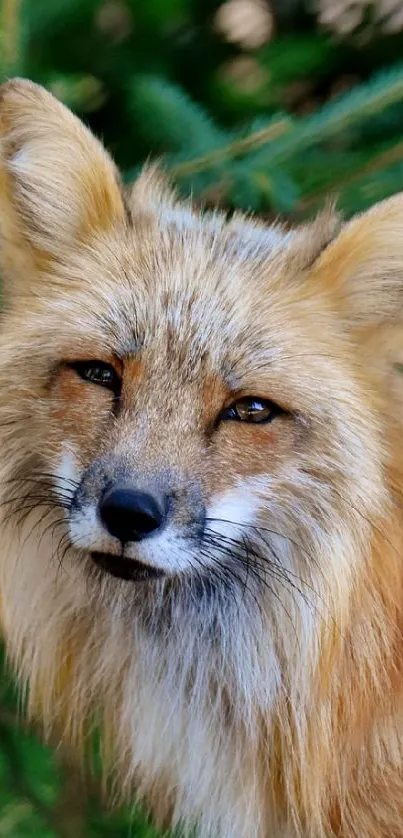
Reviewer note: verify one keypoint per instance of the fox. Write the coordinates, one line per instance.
(201, 489)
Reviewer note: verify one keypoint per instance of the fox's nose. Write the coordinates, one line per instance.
(131, 515)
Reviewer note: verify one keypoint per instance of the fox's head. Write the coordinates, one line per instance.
(197, 425)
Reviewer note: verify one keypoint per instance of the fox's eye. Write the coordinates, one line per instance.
(98, 372)
(251, 409)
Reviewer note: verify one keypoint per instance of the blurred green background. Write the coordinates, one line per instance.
(265, 105)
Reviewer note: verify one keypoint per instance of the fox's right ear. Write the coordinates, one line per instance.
(58, 185)
(361, 269)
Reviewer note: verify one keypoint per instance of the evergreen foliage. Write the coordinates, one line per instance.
(274, 127)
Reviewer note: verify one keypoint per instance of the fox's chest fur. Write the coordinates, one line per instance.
(185, 713)
(178, 711)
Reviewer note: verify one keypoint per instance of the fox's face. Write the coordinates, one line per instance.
(185, 403)
(178, 431)
(195, 415)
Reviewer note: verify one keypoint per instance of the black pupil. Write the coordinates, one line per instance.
(254, 407)
(98, 373)
(254, 410)
(101, 374)
(251, 410)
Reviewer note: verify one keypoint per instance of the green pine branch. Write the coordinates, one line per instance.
(378, 163)
(352, 109)
(238, 148)
(294, 137)
(168, 118)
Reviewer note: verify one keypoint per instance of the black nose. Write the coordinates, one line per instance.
(130, 515)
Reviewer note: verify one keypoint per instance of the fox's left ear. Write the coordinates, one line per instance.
(362, 268)
(58, 185)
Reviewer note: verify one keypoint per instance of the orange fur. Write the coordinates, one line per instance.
(257, 689)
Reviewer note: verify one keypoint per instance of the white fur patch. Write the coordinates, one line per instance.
(67, 471)
(87, 532)
(232, 512)
(169, 551)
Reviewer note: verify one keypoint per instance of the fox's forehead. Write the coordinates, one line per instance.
(198, 280)
(196, 284)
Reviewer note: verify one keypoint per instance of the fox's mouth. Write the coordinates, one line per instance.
(123, 568)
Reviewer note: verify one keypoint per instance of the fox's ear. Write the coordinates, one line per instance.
(57, 183)
(362, 268)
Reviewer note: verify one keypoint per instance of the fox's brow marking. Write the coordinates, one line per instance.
(129, 348)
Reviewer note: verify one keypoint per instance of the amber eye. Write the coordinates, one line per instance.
(252, 409)
(98, 372)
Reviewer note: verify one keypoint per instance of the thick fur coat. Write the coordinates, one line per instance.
(254, 688)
